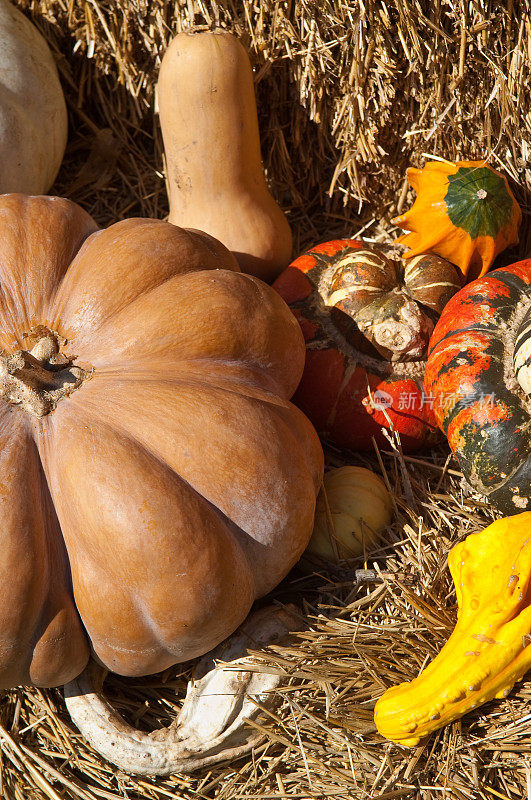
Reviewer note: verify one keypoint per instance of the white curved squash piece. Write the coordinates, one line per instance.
(211, 725)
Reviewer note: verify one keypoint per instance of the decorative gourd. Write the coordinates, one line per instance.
(225, 693)
(478, 371)
(465, 212)
(488, 650)
(214, 168)
(367, 319)
(33, 120)
(154, 478)
(352, 508)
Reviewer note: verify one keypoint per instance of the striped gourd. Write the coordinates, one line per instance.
(522, 354)
(367, 318)
(479, 369)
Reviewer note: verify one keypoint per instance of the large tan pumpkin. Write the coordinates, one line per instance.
(154, 477)
(33, 120)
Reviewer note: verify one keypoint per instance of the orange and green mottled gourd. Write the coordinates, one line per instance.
(488, 650)
(479, 372)
(465, 212)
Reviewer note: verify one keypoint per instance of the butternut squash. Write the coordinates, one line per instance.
(215, 177)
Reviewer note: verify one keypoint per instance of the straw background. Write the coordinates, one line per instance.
(350, 93)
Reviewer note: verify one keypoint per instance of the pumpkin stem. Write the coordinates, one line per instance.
(37, 379)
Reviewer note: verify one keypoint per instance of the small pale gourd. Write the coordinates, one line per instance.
(352, 508)
(33, 119)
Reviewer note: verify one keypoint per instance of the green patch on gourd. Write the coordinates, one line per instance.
(478, 201)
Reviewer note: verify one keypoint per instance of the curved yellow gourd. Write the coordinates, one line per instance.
(488, 650)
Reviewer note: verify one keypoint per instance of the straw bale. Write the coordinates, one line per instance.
(350, 93)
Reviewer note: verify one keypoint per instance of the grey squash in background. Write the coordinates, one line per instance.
(33, 118)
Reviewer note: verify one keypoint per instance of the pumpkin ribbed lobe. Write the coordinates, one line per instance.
(39, 378)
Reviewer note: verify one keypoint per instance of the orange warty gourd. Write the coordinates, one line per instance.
(465, 212)
(214, 167)
(154, 477)
(488, 651)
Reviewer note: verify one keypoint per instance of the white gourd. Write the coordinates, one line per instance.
(33, 118)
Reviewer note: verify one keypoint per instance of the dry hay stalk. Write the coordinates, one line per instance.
(349, 94)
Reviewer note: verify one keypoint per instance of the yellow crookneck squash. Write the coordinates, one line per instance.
(488, 650)
(465, 212)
